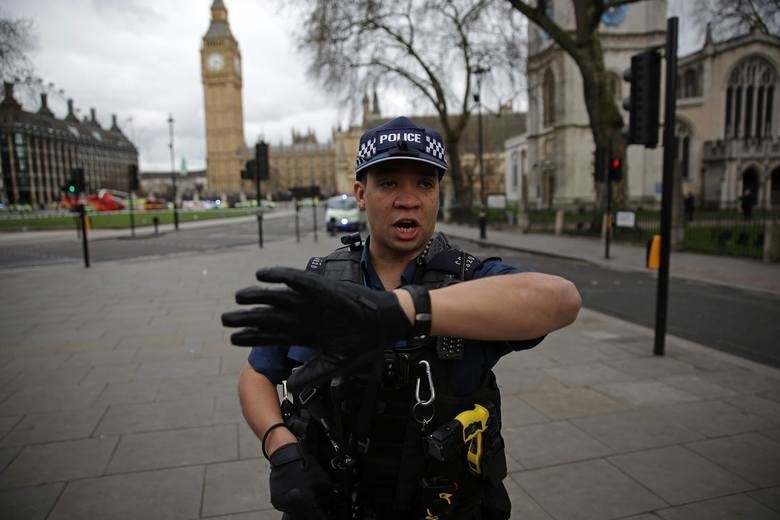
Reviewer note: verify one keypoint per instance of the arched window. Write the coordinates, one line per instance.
(515, 167)
(682, 141)
(750, 99)
(689, 83)
(548, 97)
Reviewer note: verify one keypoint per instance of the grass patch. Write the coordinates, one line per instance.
(119, 220)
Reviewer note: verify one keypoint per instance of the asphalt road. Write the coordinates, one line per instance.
(740, 322)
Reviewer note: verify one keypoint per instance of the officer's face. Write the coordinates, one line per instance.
(401, 199)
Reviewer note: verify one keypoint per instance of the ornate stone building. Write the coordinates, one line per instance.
(222, 84)
(305, 162)
(556, 155)
(38, 152)
(728, 120)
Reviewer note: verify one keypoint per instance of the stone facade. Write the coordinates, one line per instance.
(728, 120)
(38, 151)
(559, 168)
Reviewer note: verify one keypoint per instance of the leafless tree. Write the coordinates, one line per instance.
(16, 41)
(735, 17)
(583, 45)
(428, 49)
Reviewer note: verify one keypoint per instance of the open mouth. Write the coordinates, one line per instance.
(406, 225)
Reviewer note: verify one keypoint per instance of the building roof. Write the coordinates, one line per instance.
(43, 123)
(218, 29)
(711, 47)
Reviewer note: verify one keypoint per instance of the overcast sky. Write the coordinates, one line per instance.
(140, 59)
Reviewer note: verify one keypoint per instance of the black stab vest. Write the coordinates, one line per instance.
(396, 461)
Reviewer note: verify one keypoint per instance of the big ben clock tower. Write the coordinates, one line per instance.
(220, 62)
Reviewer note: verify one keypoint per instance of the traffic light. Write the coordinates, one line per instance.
(643, 103)
(249, 171)
(75, 183)
(615, 169)
(261, 156)
(132, 174)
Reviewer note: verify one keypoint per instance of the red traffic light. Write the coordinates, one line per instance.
(615, 163)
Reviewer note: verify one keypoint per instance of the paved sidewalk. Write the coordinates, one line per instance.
(724, 270)
(118, 400)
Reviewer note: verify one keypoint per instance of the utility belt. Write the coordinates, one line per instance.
(434, 477)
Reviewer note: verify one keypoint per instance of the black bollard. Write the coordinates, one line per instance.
(156, 222)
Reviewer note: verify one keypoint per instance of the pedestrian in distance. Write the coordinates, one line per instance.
(385, 349)
(747, 201)
(689, 203)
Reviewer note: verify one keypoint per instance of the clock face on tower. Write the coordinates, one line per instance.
(215, 61)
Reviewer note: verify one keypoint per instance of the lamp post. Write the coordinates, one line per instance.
(478, 71)
(173, 173)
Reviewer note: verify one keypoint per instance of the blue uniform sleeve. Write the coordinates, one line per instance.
(276, 363)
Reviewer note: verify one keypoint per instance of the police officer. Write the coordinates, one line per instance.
(382, 345)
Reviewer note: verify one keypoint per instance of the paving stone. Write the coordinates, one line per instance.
(695, 385)
(227, 409)
(131, 418)
(548, 444)
(171, 494)
(756, 405)
(248, 443)
(569, 353)
(7, 455)
(586, 491)
(62, 376)
(523, 506)
(181, 447)
(569, 403)
(6, 423)
(131, 392)
(679, 475)
(727, 508)
(768, 497)
(701, 360)
(30, 503)
(772, 434)
(774, 395)
(526, 380)
(40, 399)
(58, 461)
(103, 356)
(524, 360)
(634, 430)
(651, 367)
(751, 456)
(715, 418)
(196, 387)
(645, 393)
(516, 412)
(100, 375)
(56, 426)
(235, 487)
(194, 368)
(742, 381)
(587, 375)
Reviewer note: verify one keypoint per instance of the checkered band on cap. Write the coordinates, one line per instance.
(401, 138)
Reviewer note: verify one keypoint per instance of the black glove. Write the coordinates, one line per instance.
(299, 486)
(318, 312)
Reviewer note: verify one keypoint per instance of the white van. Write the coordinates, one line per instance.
(342, 213)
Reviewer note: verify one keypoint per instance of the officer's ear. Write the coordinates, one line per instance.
(360, 192)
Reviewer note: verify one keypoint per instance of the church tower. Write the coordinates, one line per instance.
(220, 62)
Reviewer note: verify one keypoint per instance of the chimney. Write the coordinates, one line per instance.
(114, 126)
(92, 115)
(71, 115)
(44, 110)
(8, 99)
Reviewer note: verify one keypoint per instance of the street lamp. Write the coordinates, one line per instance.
(478, 71)
(173, 174)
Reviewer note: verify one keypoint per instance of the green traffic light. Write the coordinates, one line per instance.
(72, 188)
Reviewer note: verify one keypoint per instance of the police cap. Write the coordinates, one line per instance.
(401, 138)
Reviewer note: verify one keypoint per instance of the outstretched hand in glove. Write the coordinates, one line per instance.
(329, 315)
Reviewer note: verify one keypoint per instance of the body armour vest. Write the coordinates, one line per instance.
(369, 430)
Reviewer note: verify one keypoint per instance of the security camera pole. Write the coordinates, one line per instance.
(173, 174)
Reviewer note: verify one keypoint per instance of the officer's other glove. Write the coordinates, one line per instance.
(299, 486)
(318, 312)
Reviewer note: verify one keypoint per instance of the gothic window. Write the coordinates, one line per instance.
(689, 83)
(548, 93)
(682, 141)
(750, 99)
